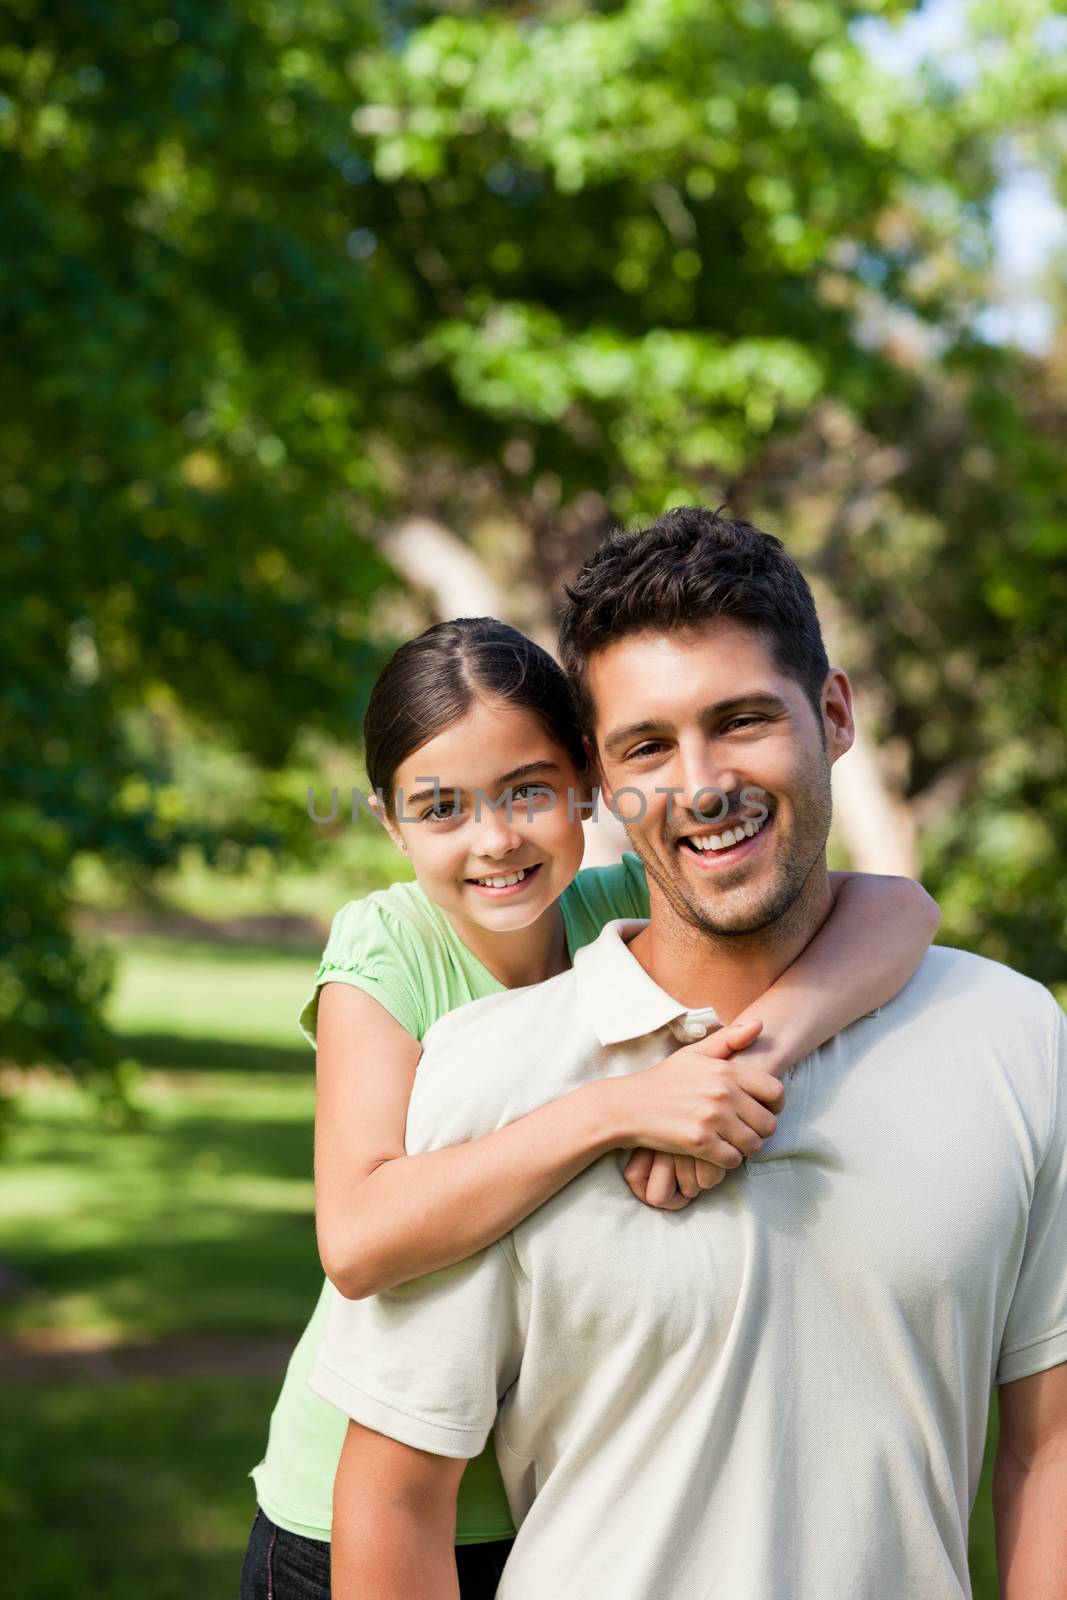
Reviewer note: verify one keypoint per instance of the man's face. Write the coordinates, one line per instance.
(708, 714)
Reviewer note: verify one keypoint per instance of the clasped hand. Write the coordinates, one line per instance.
(701, 1111)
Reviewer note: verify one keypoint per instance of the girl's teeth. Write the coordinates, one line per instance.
(502, 883)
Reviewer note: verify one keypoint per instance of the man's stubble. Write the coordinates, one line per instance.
(790, 899)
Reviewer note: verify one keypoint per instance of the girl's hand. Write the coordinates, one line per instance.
(708, 1112)
(669, 1182)
(657, 1178)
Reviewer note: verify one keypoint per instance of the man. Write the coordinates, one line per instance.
(781, 1392)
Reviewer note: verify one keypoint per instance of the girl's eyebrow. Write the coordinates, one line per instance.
(524, 771)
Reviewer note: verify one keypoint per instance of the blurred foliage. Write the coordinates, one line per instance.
(183, 391)
(277, 273)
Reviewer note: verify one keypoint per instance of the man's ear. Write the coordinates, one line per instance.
(838, 723)
(375, 805)
(594, 773)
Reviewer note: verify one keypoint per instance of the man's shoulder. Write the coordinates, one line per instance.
(945, 967)
(976, 992)
(502, 1014)
(491, 1061)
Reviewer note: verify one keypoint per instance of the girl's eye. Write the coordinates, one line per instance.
(445, 811)
(536, 793)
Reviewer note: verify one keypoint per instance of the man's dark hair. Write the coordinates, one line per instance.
(690, 567)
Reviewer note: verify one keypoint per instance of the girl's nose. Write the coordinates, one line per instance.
(495, 834)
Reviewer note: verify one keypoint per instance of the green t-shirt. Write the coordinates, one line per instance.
(399, 947)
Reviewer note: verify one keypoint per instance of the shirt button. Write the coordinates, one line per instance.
(691, 1031)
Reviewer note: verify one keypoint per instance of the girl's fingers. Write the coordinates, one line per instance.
(725, 1042)
(741, 1034)
(661, 1180)
(708, 1175)
(739, 1137)
(637, 1169)
(638, 1188)
(685, 1176)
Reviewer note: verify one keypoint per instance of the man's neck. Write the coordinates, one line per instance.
(728, 972)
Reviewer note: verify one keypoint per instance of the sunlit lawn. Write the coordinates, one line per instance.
(133, 1491)
(198, 1222)
(201, 1219)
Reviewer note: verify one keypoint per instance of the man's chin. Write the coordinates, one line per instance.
(733, 910)
(740, 927)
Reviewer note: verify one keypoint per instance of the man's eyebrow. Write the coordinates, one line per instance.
(524, 771)
(760, 699)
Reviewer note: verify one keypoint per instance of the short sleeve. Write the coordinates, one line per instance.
(599, 895)
(628, 889)
(371, 949)
(1035, 1335)
(428, 1362)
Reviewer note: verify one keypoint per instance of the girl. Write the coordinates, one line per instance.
(473, 708)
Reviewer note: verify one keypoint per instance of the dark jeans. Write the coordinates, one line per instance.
(279, 1565)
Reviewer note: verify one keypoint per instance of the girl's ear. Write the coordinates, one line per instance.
(375, 805)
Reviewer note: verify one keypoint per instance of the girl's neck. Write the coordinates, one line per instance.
(525, 956)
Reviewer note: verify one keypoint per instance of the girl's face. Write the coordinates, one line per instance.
(459, 832)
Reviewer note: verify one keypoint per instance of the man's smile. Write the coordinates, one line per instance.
(717, 848)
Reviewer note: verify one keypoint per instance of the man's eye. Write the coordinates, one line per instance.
(741, 722)
(643, 749)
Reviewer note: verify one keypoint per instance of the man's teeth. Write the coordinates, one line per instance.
(503, 883)
(722, 841)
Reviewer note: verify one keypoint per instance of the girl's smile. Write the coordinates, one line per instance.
(484, 821)
(512, 881)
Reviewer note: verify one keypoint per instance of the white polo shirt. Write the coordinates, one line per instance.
(781, 1392)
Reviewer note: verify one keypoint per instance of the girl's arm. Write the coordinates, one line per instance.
(384, 1217)
(872, 942)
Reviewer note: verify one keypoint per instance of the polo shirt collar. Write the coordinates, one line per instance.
(617, 997)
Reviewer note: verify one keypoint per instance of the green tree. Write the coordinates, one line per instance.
(278, 275)
(188, 363)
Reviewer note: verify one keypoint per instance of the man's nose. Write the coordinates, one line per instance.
(706, 781)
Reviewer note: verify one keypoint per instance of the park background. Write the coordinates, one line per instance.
(326, 320)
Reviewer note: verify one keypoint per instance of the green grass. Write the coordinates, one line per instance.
(198, 1222)
(194, 989)
(202, 1219)
(134, 1491)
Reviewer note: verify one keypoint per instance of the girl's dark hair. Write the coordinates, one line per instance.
(690, 567)
(433, 681)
